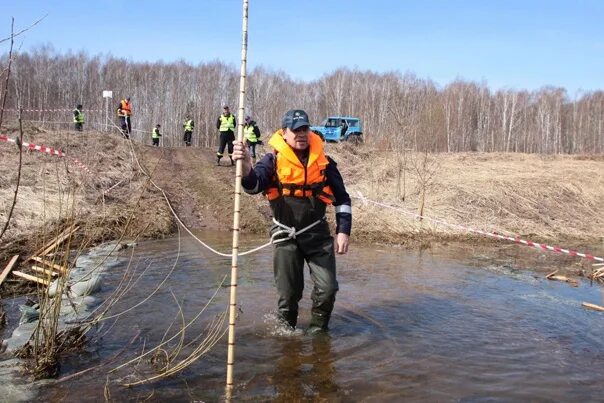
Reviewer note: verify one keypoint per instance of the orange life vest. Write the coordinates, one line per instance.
(293, 179)
(125, 107)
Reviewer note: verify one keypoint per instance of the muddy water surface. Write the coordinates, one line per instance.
(444, 324)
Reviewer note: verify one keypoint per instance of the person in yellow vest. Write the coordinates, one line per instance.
(155, 135)
(189, 125)
(251, 132)
(300, 181)
(78, 118)
(226, 126)
(124, 113)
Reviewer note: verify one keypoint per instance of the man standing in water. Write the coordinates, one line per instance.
(299, 181)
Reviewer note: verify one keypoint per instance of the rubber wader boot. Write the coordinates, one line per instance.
(318, 324)
(287, 321)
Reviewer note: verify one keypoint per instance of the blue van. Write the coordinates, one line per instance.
(340, 128)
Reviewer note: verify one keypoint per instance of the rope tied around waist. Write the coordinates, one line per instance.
(291, 231)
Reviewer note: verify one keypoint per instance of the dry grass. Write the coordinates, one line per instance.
(548, 198)
(544, 198)
(104, 198)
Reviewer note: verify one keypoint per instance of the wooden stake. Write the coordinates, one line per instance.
(593, 306)
(8, 268)
(66, 234)
(46, 272)
(31, 278)
(236, 212)
(52, 241)
(558, 277)
(53, 266)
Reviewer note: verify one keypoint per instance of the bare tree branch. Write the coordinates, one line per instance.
(22, 31)
(12, 207)
(10, 60)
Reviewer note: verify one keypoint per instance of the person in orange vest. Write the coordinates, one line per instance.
(124, 113)
(300, 181)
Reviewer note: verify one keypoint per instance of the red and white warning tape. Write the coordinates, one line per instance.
(515, 239)
(51, 110)
(42, 149)
(46, 150)
(81, 165)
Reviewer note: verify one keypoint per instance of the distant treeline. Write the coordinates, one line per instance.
(397, 110)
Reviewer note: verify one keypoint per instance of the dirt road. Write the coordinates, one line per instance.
(201, 192)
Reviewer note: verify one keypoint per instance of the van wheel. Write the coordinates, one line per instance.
(355, 139)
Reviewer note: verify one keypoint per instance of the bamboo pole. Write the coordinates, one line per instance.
(236, 212)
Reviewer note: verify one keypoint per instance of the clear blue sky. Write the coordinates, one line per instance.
(507, 43)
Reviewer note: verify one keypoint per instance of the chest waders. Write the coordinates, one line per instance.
(301, 234)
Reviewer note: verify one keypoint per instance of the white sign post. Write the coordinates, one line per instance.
(107, 95)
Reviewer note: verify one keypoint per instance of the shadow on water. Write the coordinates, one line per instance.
(445, 324)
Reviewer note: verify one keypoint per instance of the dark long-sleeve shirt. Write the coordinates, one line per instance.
(261, 177)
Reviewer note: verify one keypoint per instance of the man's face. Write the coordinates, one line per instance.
(297, 139)
(226, 111)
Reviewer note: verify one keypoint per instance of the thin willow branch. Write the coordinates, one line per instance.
(10, 61)
(5, 95)
(216, 333)
(175, 335)
(12, 207)
(23, 30)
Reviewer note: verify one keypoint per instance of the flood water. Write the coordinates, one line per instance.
(444, 324)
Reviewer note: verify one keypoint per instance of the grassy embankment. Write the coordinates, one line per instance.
(555, 199)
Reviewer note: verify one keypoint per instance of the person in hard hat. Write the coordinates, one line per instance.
(78, 118)
(188, 126)
(226, 124)
(124, 113)
(155, 135)
(300, 181)
(251, 132)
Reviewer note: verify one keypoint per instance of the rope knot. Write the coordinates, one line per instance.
(290, 231)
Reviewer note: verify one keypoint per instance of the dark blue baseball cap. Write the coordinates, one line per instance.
(294, 119)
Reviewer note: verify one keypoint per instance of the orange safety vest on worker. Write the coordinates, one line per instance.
(124, 109)
(293, 179)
